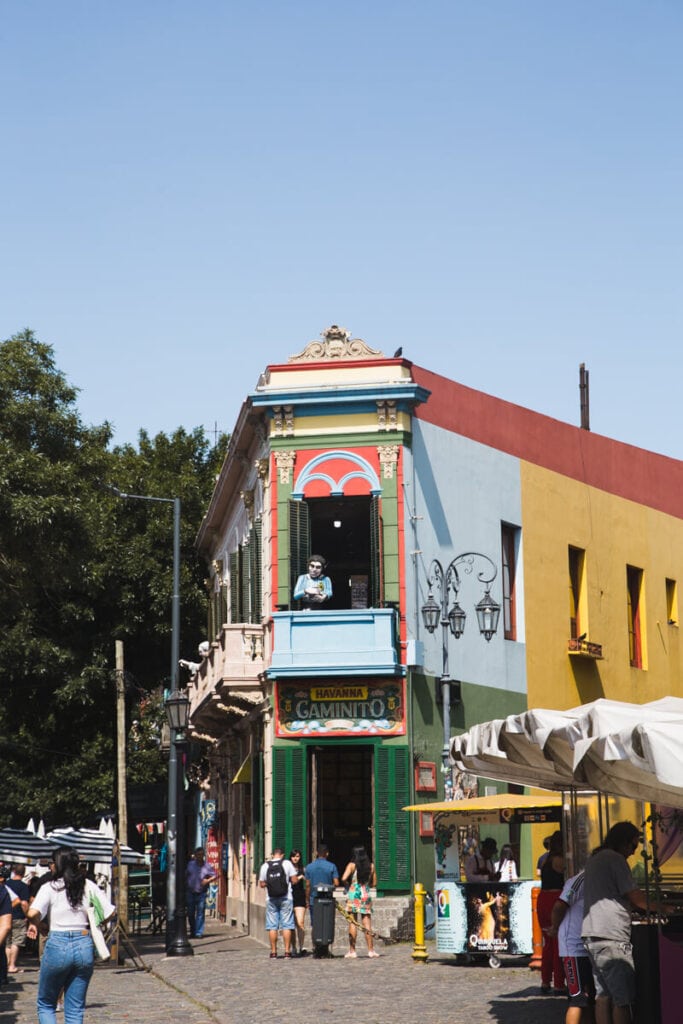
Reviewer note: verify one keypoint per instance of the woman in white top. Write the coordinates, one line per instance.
(506, 868)
(68, 958)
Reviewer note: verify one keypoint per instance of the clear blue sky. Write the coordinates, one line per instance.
(191, 191)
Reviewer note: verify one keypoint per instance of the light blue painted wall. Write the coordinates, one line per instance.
(456, 494)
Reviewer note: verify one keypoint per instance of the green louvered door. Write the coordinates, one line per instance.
(392, 835)
(289, 798)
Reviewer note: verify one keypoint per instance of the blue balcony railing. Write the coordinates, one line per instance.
(329, 643)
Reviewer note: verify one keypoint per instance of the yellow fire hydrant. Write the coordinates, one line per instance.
(420, 953)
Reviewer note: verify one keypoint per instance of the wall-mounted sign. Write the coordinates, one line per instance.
(425, 777)
(363, 708)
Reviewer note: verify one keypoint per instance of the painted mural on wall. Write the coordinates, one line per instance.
(484, 917)
(363, 708)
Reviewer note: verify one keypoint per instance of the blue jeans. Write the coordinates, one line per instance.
(196, 906)
(67, 964)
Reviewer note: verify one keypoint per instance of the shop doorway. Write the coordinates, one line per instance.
(342, 799)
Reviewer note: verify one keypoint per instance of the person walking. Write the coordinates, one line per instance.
(359, 876)
(276, 877)
(198, 878)
(552, 882)
(68, 958)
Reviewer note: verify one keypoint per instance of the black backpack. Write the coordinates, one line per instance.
(276, 879)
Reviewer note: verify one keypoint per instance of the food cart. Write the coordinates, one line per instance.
(483, 919)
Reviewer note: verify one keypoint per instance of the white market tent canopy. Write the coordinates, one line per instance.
(630, 750)
(21, 846)
(93, 845)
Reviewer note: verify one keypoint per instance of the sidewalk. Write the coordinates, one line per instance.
(231, 978)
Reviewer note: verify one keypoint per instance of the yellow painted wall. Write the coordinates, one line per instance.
(557, 512)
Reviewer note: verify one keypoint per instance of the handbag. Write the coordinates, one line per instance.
(96, 917)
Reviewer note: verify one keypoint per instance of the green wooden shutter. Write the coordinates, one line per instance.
(223, 604)
(392, 843)
(289, 798)
(234, 587)
(255, 574)
(210, 613)
(376, 567)
(299, 541)
(244, 582)
(216, 621)
(257, 810)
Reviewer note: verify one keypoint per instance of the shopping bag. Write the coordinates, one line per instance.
(95, 917)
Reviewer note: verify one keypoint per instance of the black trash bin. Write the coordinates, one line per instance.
(323, 919)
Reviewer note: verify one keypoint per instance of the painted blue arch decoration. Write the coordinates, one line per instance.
(314, 471)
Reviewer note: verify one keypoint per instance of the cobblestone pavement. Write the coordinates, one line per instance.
(231, 978)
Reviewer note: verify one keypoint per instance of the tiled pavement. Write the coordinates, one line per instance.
(231, 979)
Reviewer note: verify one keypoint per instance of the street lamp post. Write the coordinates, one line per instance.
(177, 942)
(454, 618)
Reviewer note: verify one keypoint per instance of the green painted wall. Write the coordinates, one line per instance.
(479, 704)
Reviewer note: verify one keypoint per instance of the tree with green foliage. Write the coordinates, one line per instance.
(79, 569)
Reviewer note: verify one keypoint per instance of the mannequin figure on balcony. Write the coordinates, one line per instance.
(313, 588)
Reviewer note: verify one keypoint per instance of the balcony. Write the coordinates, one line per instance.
(584, 648)
(228, 685)
(351, 642)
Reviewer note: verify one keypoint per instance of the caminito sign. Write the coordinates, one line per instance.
(363, 708)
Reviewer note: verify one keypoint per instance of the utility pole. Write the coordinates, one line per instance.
(122, 906)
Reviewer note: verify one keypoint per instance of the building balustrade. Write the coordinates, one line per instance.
(328, 642)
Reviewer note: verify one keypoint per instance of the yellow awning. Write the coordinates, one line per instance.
(243, 773)
(497, 802)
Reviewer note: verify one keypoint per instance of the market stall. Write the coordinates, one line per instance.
(483, 918)
(634, 751)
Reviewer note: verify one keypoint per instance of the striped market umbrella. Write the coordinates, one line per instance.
(94, 846)
(24, 847)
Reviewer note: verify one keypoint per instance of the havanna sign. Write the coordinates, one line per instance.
(363, 708)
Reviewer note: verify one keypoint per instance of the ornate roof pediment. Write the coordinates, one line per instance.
(337, 343)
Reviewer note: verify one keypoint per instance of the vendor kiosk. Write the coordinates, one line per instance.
(486, 919)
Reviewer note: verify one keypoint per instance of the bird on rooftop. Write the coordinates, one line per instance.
(399, 352)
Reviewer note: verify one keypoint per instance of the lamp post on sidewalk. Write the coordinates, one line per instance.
(177, 942)
(434, 612)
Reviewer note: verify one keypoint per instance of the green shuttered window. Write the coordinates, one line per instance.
(392, 852)
(289, 798)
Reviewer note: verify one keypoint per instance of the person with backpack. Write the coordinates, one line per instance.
(276, 877)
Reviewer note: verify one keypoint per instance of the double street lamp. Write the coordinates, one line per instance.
(447, 583)
(177, 712)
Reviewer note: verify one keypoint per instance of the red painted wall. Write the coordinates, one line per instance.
(620, 469)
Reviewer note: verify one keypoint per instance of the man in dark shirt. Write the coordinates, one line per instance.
(19, 923)
(5, 927)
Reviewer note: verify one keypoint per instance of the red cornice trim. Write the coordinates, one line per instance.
(655, 481)
(335, 364)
